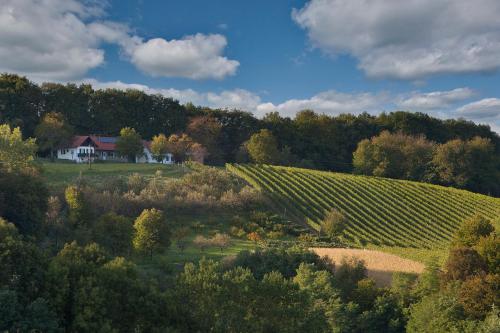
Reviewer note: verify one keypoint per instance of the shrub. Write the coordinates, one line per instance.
(489, 248)
(333, 224)
(479, 293)
(463, 263)
(472, 230)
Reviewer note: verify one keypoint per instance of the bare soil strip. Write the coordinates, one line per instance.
(380, 266)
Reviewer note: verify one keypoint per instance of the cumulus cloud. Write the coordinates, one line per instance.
(227, 99)
(485, 111)
(194, 57)
(407, 39)
(62, 39)
(329, 102)
(47, 39)
(434, 100)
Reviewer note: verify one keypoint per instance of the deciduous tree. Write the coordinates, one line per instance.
(263, 147)
(159, 146)
(151, 231)
(334, 224)
(129, 144)
(53, 132)
(16, 154)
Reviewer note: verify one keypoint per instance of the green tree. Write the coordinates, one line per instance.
(334, 224)
(394, 156)
(437, 313)
(263, 147)
(151, 232)
(462, 263)
(79, 210)
(206, 131)
(23, 265)
(129, 144)
(471, 164)
(21, 102)
(53, 132)
(16, 154)
(489, 248)
(23, 201)
(114, 233)
(478, 294)
(472, 230)
(159, 146)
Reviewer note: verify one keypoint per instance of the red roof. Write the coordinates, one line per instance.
(78, 140)
(107, 143)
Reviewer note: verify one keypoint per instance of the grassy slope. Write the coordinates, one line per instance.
(383, 213)
(59, 175)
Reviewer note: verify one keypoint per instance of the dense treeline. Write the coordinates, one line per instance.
(309, 139)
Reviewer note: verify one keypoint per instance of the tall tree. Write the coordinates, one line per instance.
(79, 210)
(179, 146)
(16, 155)
(394, 155)
(114, 233)
(206, 131)
(159, 146)
(129, 144)
(21, 102)
(53, 132)
(263, 147)
(470, 164)
(151, 232)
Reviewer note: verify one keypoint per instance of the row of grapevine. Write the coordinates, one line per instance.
(379, 210)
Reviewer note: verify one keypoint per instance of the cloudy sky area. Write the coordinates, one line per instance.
(441, 57)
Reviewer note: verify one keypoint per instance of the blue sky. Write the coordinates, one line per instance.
(435, 56)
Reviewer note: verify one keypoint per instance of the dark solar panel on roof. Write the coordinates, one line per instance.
(107, 140)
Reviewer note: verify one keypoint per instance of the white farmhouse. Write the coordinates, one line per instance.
(103, 148)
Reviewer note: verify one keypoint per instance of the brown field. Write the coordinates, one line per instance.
(380, 266)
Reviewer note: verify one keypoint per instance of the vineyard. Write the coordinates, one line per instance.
(380, 211)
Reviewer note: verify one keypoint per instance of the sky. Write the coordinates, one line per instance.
(441, 57)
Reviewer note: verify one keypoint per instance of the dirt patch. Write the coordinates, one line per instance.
(379, 265)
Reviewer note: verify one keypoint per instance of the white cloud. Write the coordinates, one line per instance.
(47, 39)
(228, 99)
(434, 100)
(329, 102)
(407, 39)
(485, 111)
(59, 40)
(194, 57)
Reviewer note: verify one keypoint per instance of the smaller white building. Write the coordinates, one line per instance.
(103, 148)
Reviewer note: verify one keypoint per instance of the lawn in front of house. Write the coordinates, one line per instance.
(61, 174)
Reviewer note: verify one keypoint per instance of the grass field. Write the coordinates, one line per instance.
(380, 266)
(380, 211)
(59, 174)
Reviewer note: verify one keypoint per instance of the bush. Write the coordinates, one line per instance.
(463, 263)
(489, 248)
(23, 201)
(472, 230)
(333, 224)
(478, 294)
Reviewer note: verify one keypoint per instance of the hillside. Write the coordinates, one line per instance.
(380, 211)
